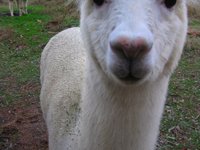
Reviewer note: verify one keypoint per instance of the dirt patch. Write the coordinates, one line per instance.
(22, 126)
(194, 33)
(53, 25)
(6, 34)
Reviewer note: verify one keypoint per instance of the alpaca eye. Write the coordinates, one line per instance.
(170, 3)
(99, 2)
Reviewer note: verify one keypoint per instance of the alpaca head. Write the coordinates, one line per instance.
(134, 41)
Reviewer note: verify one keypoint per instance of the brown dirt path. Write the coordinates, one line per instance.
(22, 126)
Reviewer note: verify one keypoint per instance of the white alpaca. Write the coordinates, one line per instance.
(21, 5)
(118, 71)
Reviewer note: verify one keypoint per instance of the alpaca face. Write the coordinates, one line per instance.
(134, 40)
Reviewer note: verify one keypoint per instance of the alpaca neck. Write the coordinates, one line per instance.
(116, 118)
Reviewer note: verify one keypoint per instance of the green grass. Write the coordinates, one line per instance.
(180, 128)
(21, 46)
(195, 24)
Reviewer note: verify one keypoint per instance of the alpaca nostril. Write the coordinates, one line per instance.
(141, 46)
(137, 47)
(120, 45)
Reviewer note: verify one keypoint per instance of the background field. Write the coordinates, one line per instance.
(21, 42)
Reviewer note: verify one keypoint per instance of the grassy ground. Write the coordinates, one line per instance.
(23, 38)
(180, 128)
(21, 42)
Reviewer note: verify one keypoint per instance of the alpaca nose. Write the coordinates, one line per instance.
(131, 48)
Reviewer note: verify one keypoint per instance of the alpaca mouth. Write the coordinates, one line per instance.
(131, 71)
(131, 78)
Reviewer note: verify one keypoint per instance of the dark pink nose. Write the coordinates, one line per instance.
(131, 48)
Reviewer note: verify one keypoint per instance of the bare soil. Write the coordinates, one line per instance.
(194, 33)
(22, 126)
